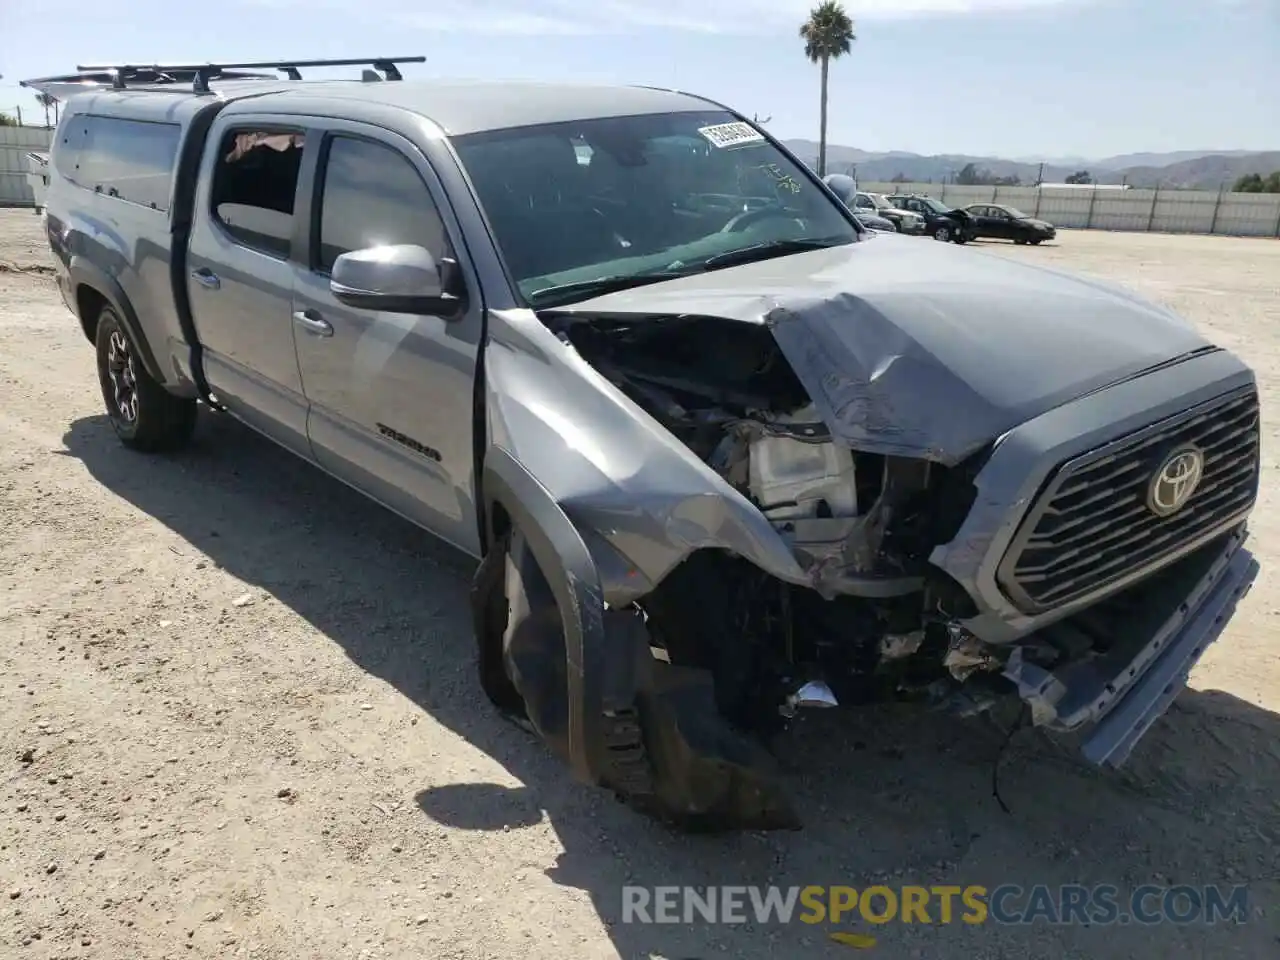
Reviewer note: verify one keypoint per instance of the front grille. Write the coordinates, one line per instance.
(1092, 525)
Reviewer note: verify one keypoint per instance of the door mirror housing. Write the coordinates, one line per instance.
(398, 278)
(843, 187)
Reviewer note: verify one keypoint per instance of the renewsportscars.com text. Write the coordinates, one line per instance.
(1011, 904)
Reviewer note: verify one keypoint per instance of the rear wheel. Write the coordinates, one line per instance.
(144, 415)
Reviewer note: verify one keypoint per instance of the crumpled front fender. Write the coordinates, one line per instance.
(564, 569)
(640, 499)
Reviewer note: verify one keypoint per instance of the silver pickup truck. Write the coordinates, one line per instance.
(721, 454)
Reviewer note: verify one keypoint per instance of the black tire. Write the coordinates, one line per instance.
(942, 233)
(1020, 242)
(1036, 242)
(144, 415)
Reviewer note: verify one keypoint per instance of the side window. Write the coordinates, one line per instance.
(66, 147)
(131, 160)
(373, 196)
(254, 183)
(864, 203)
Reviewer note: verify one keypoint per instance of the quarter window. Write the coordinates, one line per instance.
(374, 196)
(130, 160)
(254, 184)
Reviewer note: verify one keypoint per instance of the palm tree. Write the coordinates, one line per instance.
(48, 100)
(827, 34)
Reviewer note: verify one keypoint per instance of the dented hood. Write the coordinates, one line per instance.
(926, 349)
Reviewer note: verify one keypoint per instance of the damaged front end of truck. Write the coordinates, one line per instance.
(716, 510)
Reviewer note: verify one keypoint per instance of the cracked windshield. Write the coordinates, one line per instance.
(584, 208)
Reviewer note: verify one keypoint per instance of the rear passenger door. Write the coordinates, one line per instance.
(239, 279)
(391, 395)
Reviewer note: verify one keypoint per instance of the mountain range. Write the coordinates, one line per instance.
(1187, 169)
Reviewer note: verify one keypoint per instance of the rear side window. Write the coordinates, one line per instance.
(254, 185)
(373, 196)
(130, 160)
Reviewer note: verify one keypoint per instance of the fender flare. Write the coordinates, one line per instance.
(565, 561)
(85, 273)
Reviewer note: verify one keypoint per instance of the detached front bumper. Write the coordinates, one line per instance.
(1161, 633)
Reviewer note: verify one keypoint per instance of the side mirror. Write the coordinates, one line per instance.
(842, 186)
(398, 278)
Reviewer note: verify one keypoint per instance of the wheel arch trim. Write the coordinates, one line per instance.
(566, 562)
(84, 273)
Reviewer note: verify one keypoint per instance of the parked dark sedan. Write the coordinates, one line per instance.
(999, 222)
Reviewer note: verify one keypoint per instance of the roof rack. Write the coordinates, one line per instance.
(120, 75)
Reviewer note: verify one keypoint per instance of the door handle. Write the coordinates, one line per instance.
(206, 278)
(310, 321)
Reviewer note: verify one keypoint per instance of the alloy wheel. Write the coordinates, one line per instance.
(122, 373)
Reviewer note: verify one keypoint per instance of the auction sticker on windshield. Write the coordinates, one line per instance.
(731, 134)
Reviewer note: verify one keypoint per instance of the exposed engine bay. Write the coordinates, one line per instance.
(879, 621)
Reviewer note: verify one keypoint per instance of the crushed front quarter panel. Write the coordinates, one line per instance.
(617, 473)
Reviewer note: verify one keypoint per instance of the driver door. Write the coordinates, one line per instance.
(390, 394)
(915, 206)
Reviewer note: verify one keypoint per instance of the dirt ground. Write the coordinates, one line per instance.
(256, 732)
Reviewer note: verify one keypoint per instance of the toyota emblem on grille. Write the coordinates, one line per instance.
(1175, 481)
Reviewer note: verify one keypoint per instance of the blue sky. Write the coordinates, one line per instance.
(1015, 78)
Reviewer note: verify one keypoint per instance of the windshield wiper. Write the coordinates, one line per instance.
(563, 293)
(769, 249)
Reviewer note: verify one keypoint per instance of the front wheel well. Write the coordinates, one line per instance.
(89, 304)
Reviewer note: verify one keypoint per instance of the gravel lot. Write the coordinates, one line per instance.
(252, 729)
